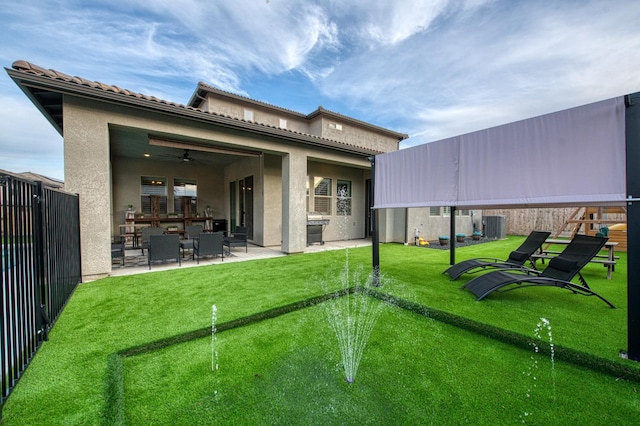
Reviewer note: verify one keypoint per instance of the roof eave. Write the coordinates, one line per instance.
(26, 80)
(320, 111)
(204, 88)
(15, 76)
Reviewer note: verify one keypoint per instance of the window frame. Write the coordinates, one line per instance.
(325, 197)
(177, 199)
(343, 202)
(145, 196)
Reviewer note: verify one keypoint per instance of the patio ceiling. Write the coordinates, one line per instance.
(135, 143)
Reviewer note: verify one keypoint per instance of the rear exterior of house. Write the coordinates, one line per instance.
(223, 158)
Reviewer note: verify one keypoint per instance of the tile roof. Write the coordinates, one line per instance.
(97, 89)
(29, 68)
(208, 88)
(195, 100)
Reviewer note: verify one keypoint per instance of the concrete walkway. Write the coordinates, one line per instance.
(136, 263)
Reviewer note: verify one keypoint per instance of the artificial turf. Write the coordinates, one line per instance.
(285, 370)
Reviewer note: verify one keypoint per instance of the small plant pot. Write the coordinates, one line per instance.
(460, 238)
(475, 237)
(443, 241)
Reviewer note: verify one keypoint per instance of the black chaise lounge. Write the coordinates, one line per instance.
(559, 272)
(516, 259)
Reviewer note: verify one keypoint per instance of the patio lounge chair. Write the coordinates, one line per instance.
(209, 244)
(146, 233)
(516, 259)
(237, 239)
(163, 247)
(558, 273)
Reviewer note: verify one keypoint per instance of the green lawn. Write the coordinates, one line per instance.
(286, 369)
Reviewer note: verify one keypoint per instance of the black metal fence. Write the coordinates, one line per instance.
(40, 231)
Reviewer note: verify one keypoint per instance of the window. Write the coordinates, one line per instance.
(185, 196)
(335, 126)
(248, 115)
(322, 195)
(153, 195)
(343, 198)
(446, 211)
(434, 211)
(463, 212)
(283, 123)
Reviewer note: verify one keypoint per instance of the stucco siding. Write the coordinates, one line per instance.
(294, 174)
(272, 169)
(260, 115)
(349, 132)
(430, 227)
(87, 172)
(343, 227)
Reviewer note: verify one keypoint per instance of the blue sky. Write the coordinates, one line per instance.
(432, 69)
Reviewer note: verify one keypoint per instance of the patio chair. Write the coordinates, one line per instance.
(163, 247)
(209, 244)
(516, 259)
(117, 251)
(191, 233)
(237, 239)
(559, 273)
(146, 233)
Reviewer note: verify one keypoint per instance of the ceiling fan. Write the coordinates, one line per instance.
(185, 157)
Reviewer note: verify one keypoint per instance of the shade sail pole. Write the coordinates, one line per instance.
(632, 130)
(375, 241)
(452, 236)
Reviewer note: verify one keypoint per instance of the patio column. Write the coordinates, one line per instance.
(87, 173)
(294, 196)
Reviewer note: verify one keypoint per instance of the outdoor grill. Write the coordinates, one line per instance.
(315, 226)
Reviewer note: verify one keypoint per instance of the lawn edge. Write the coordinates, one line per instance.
(561, 353)
(114, 412)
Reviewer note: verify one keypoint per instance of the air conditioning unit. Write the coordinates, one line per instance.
(495, 227)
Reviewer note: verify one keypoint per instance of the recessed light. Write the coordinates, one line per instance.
(146, 154)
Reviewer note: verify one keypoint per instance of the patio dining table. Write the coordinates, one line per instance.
(126, 234)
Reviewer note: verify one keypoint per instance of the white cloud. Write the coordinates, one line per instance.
(432, 69)
(28, 141)
(489, 65)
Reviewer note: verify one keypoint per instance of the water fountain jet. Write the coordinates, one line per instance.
(352, 316)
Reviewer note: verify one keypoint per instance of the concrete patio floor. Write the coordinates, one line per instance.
(136, 263)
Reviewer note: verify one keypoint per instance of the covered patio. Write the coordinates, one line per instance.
(136, 263)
